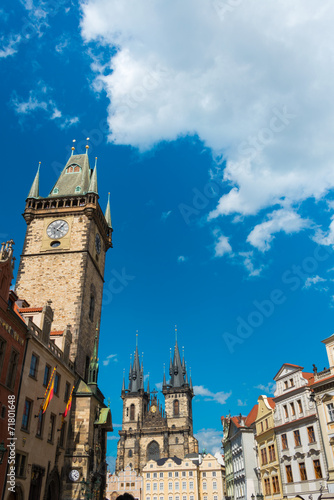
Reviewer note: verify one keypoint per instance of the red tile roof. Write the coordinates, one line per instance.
(315, 382)
(30, 309)
(252, 415)
(309, 377)
(288, 364)
(271, 402)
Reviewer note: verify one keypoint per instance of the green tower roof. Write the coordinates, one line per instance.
(34, 190)
(75, 177)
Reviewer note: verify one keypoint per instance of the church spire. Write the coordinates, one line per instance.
(136, 374)
(107, 214)
(164, 384)
(93, 180)
(177, 368)
(34, 190)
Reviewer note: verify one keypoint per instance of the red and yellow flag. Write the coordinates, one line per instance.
(67, 409)
(49, 392)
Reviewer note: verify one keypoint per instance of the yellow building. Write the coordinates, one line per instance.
(267, 450)
(192, 478)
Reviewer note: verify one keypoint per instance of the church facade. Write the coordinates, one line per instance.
(150, 432)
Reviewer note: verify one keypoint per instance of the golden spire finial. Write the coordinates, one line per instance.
(95, 161)
(175, 333)
(73, 148)
(87, 147)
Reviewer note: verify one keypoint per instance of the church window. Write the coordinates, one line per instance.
(127, 412)
(176, 407)
(132, 412)
(153, 451)
(130, 453)
(91, 307)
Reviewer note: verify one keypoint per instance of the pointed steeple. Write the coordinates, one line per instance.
(34, 190)
(75, 177)
(93, 181)
(93, 369)
(190, 382)
(164, 384)
(136, 374)
(148, 384)
(107, 214)
(123, 385)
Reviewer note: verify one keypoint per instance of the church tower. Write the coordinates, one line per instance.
(64, 252)
(178, 406)
(149, 432)
(135, 407)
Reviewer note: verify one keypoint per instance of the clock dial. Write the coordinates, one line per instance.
(98, 243)
(74, 475)
(57, 229)
(153, 408)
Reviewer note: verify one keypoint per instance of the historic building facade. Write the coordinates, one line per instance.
(62, 265)
(242, 477)
(149, 432)
(298, 434)
(127, 481)
(267, 449)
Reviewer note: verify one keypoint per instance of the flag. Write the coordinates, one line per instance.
(67, 409)
(49, 392)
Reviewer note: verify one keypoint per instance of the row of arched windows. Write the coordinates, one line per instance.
(73, 169)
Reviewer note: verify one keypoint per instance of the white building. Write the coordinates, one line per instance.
(299, 441)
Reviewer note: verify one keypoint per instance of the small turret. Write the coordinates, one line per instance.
(34, 190)
(93, 369)
(93, 181)
(107, 214)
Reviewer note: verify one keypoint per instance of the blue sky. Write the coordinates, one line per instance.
(213, 131)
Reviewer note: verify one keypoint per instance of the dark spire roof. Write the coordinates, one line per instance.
(76, 174)
(177, 369)
(136, 375)
(34, 190)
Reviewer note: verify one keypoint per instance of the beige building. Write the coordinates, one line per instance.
(41, 440)
(191, 478)
(267, 450)
(126, 481)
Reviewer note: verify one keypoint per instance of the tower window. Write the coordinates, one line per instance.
(153, 451)
(78, 189)
(91, 307)
(132, 412)
(55, 191)
(130, 453)
(176, 408)
(72, 169)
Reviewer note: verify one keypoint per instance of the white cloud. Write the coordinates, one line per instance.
(9, 47)
(165, 215)
(323, 238)
(40, 99)
(111, 357)
(209, 440)
(283, 220)
(258, 92)
(159, 386)
(219, 397)
(314, 281)
(242, 403)
(222, 245)
(182, 258)
(111, 463)
(248, 261)
(268, 389)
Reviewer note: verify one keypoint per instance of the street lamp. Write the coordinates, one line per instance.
(252, 496)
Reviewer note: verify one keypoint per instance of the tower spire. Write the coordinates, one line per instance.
(164, 384)
(107, 214)
(93, 180)
(176, 369)
(34, 190)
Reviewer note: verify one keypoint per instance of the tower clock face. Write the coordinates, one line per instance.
(74, 475)
(57, 229)
(98, 243)
(153, 408)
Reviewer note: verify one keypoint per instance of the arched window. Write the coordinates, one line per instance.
(73, 169)
(153, 451)
(176, 440)
(132, 412)
(130, 453)
(69, 170)
(91, 307)
(176, 407)
(77, 168)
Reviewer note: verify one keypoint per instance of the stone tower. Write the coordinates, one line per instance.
(148, 432)
(64, 252)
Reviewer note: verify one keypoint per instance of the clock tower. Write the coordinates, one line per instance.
(64, 253)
